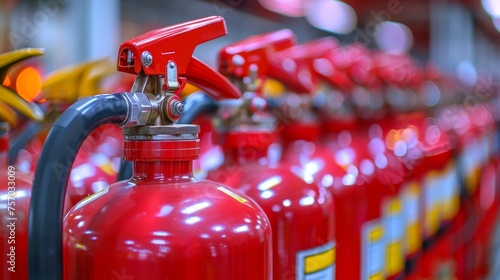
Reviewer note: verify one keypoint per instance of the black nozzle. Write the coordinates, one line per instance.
(196, 104)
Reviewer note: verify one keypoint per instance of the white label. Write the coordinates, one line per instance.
(410, 201)
(410, 196)
(467, 160)
(373, 250)
(451, 184)
(432, 193)
(393, 218)
(395, 227)
(317, 263)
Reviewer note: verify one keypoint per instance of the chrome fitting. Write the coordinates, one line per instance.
(140, 108)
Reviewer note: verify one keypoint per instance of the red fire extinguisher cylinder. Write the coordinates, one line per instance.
(163, 223)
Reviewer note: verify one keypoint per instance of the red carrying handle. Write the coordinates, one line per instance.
(151, 53)
(260, 50)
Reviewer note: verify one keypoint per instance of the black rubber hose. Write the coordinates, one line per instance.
(51, 177)
(196, 104)
(19, 141)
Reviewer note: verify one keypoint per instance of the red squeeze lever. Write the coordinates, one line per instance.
(237, 59)
(360, 65)
(168, 52)
(301, 59)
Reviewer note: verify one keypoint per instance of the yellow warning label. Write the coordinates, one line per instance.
(472, 180)
(451, 207)
(378, 276)
(395, 259)
(413, 189)
(376, 234)
(413, 238)
(432, 220)
(395, 206)
(319, 261)
(412, 235)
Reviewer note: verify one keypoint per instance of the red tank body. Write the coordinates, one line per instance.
(163, 223)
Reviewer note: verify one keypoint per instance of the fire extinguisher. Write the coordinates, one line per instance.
(488, 199)
(403, 221)
(341, 125)
(433, 177)
(300, 212)
(349, 164)
(374, 172)
(15, 187)
(398, 133)
(335, 166)
(482, 196)
(162, 223)
(363, 232)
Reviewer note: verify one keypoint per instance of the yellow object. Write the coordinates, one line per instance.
(13, 57)
(413, 238)
(273, 88)
(8, 115)
(232, 194)
(70, 83)
(451, 202)
(319, 261)
(395, 258)
(10, 102)
(395, 223)
(91, 81)
(378, 276)
(472, 180)
(395, 206)
(376, 234)
(187, 90)
(413, 230)
(432, 220)
(433, 203)
(107, 168)
(30, 110)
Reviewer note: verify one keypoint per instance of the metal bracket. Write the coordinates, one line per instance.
(171, 77)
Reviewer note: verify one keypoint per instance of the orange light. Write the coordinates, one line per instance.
(6, 81)
(28, 84)
(391, 139)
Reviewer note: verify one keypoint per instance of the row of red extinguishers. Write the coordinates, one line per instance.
(409, 155)
(384, 170)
